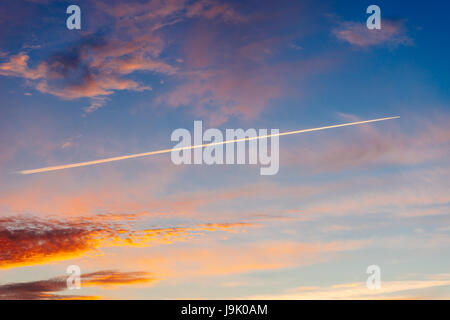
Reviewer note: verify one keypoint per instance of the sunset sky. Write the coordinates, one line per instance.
(342, 200)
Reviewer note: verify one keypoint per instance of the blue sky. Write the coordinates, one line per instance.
(342, 200)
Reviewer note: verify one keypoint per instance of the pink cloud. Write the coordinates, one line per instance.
(95, 66)
(224, 77)
(225, 92)
(17, 66)
(357, 34)
(375, 146)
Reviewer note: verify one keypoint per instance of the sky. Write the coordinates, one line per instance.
(146, 228)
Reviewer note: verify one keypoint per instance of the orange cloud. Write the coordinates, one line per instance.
(52, 289)
(115, 278)
(352, 291)
(31, 241)
(17, 66)
(219, 259)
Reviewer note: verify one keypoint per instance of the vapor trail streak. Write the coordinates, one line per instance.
(137, 155)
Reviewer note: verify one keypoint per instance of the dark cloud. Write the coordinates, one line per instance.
(51, 289)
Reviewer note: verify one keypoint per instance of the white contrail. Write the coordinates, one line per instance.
(137, 155)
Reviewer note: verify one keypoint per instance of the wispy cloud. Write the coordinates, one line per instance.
(17, 66)
(392, 33)
(52, 289)
(395, 144)
(205, 260)
(388, 290)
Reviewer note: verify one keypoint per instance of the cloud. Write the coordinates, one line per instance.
(392, 33)
(229, 69)
(226, 92)
(412, 193)
(115, 278)
(91, 68)
(31, 241)
(50, 289)
(210, 259)
(72, 74)
(191, 262)
(210, 9)
(17, 66)
(373, 145)
(352, 291)
(241, 82)
(222, 76)
(175, 9)
(96, 103)
(97, 64)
